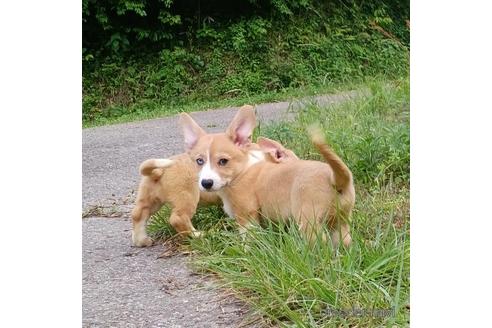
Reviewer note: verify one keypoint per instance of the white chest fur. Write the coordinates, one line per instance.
(227, 205)
(255, 156)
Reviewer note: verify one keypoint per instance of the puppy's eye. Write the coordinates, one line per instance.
(199, 161)
(223, 161)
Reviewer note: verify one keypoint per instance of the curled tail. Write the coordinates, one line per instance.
(343, 176)
(151, 167)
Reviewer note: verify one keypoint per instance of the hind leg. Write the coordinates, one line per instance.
(140, 215)
(145, 205)
(342, 232)
(312, 229)
(180, 219)
(183, 208)
(310, 217)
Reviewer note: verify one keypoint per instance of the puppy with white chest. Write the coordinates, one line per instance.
(313, 193)
(174, 180)
(170, 181)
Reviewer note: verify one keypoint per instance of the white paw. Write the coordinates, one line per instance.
(196, 234)
(141, 241)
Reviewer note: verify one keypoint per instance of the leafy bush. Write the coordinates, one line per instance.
(138, 55)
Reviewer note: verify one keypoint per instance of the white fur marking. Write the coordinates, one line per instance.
(139, 234)
(226, 205)
(255, 156)
(196, 234)
(208, 173)
(245, 228)
(163, 162)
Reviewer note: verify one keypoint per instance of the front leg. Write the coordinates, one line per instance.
(244, 210)
(246, 218)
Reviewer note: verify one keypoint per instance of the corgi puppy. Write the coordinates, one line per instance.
(214, 153)
(185, 182)
(313, 193)
(170, 181)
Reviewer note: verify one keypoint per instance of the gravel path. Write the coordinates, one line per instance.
(125, 286)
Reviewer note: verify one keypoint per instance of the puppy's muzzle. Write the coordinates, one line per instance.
(207, 183)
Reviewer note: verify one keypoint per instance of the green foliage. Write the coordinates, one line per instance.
(371, 134)
(292, 283)
(139, 55)
(114, 25)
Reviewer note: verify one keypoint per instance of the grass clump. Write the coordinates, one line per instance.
(291, 283)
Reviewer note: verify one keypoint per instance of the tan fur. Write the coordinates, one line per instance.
(174, 180)
(153, 167)
(343, 176)
(313, 193)
(307, 191)
(175, 185)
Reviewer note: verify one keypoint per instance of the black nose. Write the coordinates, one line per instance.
(207, 183)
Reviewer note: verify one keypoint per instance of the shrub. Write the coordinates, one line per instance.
(140, 54)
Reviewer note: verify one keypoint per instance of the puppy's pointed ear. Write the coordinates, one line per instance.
(273, 148)
(277, 152)
(191, 131)
(242, 126)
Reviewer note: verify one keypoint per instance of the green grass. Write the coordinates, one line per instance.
(290, 283)
(151, 109)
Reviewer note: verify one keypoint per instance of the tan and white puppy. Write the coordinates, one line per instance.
(313, 193)
(213, 153)
(174, 180)
(170, 181)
